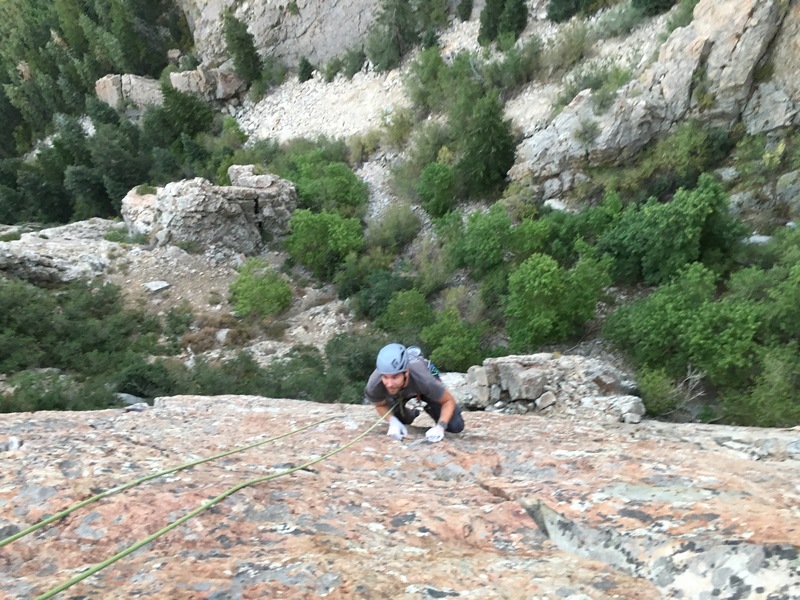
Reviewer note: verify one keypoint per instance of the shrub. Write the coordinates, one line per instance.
(377, 292)
(652, 7)
(547, 304)
(406, 314)
(356, 269)
(321, 241)
(773, 401)
(259, 290)
(437, 189)
(483, 244)
(572, 44)
(464, 10)
(35, 391)
(455, 344)
(299, 374)
(397, 227)
(305, 70)
(656, 240)
(146, 379)
(618, 20)
(353, 354)
(659, 393)
(354, 60)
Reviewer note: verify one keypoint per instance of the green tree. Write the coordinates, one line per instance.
(514, 18)
(487, 148)
(241, 45)
(393, 34)
(407, 313)
(490, 21)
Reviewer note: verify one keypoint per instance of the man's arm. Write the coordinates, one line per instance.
(382, 407)
(448, 403)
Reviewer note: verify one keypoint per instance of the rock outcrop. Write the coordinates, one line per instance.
(704, 71)
(60, 254)
(239, 217)
(515, 507)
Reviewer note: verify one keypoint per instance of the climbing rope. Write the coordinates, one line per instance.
(132, 548)
(126, 486)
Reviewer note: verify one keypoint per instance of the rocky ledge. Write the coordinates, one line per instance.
(518, 506)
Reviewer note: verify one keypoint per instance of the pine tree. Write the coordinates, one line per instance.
(514, 18)
(490, 20)
(488, 148)
(242, 48)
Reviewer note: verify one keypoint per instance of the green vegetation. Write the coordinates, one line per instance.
(714, 318)
(259, 290)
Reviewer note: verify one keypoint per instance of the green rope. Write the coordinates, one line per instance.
(99, 566)
(123, 487)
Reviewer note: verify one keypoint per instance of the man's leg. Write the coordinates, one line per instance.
(434, 409)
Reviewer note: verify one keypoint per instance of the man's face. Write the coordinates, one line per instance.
(394, 383)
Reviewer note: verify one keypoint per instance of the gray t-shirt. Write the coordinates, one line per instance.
(420, 383)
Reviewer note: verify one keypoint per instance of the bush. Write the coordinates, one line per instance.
(653, 7)
(455, 344)
(35, 391)
(487, 148)
(353, 354)
(407, 313)
(259, 290)
(299, 374)
(655, 241)
(397, 227)
(437, 189)
(305, 70)
(321, 241)
(146, 379)
(773, 401)
(464, 10)
(376, 293)
(547, 304)
(659, 393)
(354, 60)
(483, 244)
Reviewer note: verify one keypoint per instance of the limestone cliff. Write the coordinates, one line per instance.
(285, 30)
(515, 507)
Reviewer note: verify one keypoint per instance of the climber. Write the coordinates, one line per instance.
(401, 375)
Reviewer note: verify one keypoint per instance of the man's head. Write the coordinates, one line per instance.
(392, 364)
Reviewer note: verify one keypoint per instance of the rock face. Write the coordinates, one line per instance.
(60, 254)
(515, 507)
(286, 30)
(704, 71)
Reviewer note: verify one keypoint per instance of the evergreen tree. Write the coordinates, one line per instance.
(488, 147)
(490, 20)
(514, 18)
(241, 46)
(395, 32)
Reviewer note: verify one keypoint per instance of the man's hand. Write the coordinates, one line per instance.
(396, 429)
(435, 434)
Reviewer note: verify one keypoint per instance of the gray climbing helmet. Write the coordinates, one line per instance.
(392, 359)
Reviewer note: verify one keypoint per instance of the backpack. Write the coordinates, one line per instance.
(415, 355)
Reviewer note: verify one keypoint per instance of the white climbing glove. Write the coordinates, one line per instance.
(435, 434)
(396, 429)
